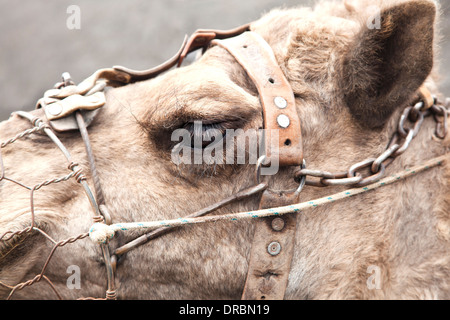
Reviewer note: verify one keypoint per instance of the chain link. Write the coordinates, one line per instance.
(408, 127)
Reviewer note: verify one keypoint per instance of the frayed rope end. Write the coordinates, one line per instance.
(101, 233)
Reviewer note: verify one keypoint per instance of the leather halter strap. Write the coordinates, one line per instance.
(201, 38)
(255, 55)
(61, 102)
(274, 238)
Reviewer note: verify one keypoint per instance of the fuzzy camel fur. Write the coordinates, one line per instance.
(351, 84)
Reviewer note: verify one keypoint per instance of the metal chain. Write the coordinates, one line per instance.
(400, 141)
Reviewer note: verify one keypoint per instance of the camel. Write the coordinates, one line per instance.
(352, 80)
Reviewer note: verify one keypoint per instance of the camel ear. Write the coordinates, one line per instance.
(386, 64)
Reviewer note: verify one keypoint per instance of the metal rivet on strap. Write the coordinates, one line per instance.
(274, 248)
(54, 109)
(280, 102)
(283, 121)
(277, 224)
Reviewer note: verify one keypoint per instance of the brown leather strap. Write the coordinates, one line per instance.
(272, 250)
(201, 38)
(61, 102)
(426, 97)
(273, 242)
(277, 99)
(139, 75)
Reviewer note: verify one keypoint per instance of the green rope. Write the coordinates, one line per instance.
(101, 233)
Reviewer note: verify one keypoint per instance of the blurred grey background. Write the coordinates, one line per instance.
(37, 47)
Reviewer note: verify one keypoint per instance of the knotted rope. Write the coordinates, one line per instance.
(101, 233)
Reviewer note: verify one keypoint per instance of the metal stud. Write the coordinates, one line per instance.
(280, 102)
(283, 121)
(274, 248)
(277, 224)
(54, 109)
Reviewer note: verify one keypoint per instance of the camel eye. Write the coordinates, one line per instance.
(204, 134)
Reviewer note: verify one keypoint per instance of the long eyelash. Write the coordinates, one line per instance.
(204, 127)
(205, 130)
(208, 134)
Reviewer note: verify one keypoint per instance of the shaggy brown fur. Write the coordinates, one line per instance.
(351, 84)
